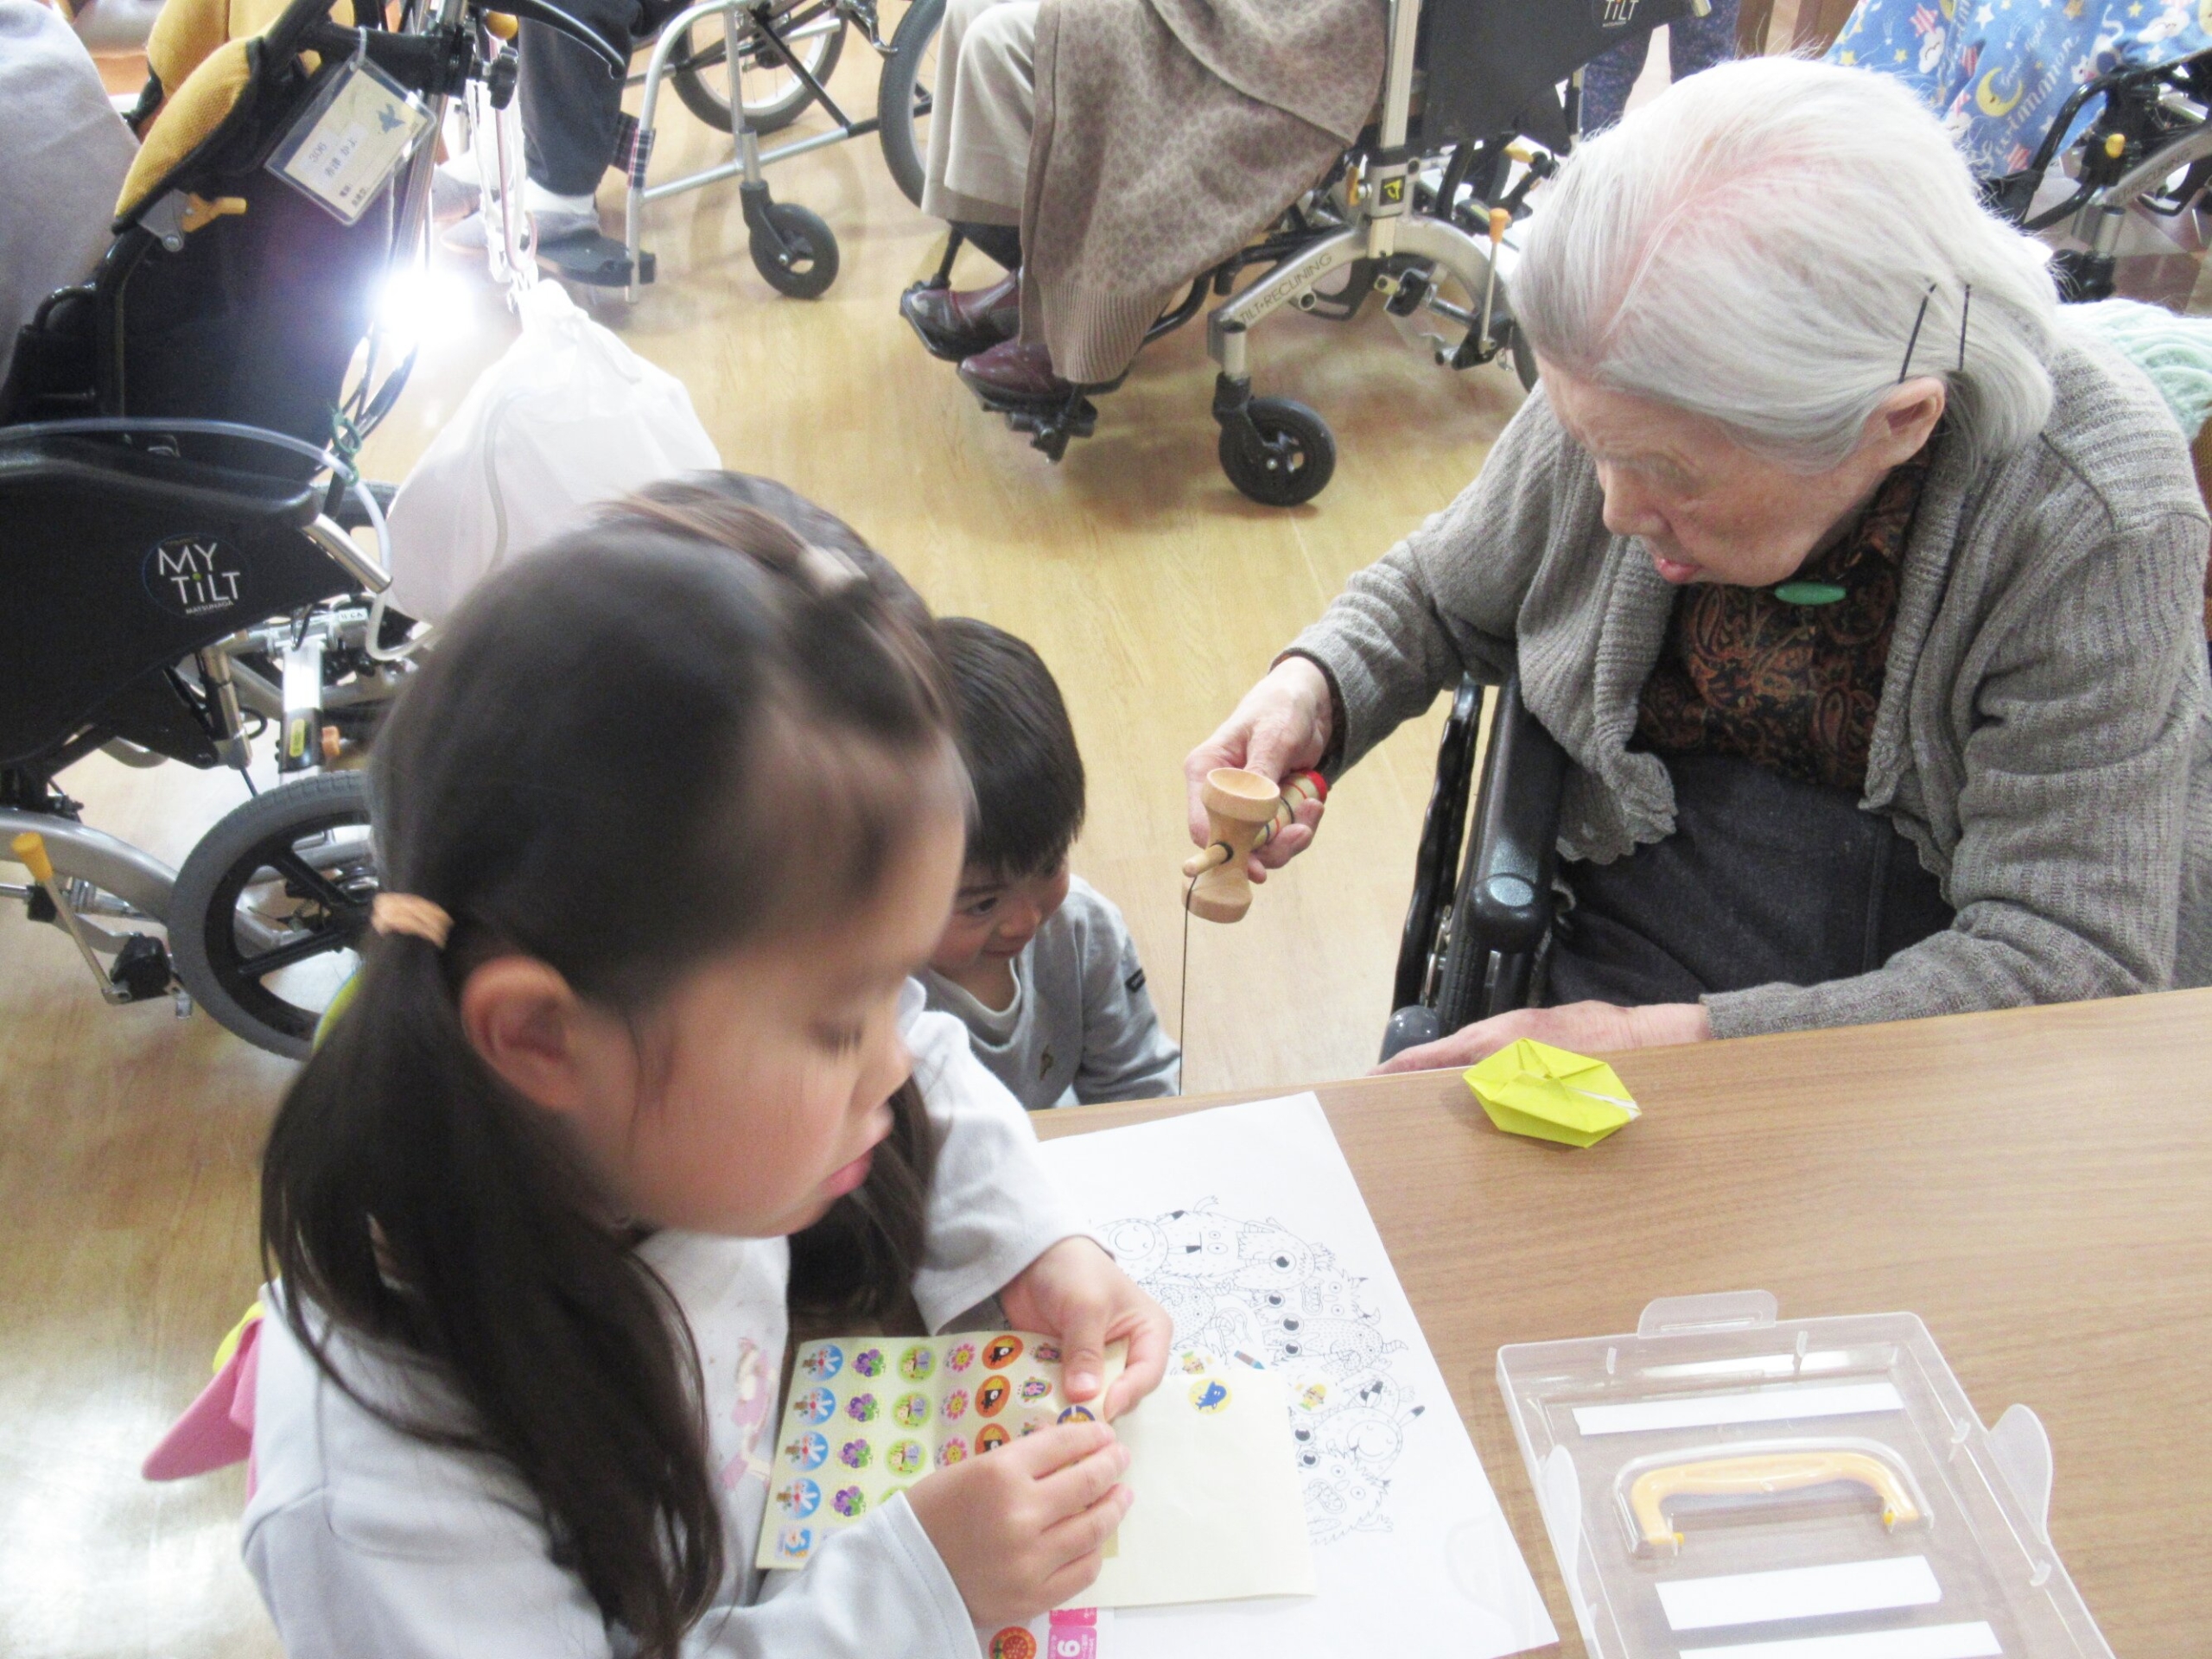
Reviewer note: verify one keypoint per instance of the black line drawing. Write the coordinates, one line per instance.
(1238, 1287)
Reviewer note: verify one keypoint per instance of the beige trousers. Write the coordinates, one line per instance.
(985, 111)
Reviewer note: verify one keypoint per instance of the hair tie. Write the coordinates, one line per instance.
(403, 912)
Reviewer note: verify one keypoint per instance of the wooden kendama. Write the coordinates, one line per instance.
(1244, 811)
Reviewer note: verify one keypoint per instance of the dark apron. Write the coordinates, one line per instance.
(1765, 878)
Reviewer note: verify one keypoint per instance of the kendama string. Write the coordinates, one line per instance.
(1183, 993)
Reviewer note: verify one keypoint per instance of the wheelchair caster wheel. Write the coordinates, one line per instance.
(269, 910)
(793, 251)
(1279, 452)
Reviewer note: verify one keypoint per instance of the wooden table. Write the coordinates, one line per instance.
(2035, 1184)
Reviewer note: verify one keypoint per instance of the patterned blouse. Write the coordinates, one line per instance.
(1790, 686)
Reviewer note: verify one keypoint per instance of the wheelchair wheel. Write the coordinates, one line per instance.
(267, 917)
(903, 96)
(774, 96)
(806, 263)
(1292, 459)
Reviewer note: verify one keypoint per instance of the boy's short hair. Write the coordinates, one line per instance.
(1014, 734)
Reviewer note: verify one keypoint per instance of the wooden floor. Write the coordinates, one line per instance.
(128, 1138)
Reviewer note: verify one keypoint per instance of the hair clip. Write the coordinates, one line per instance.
(1965, 310)
(403, 912)
(1913, 339)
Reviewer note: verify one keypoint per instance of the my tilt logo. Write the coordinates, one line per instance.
(188, 573)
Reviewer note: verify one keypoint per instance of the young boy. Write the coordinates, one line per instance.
(1034, 963)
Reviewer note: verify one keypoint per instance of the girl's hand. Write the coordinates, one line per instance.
(1282, 727)
(1076, 1292)
(1020, 1528)
(1585, 1027)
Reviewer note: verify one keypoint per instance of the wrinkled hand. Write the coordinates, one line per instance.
(1020, 1528)
(1076, 1292)
(1282, 726)
(1585, 1027)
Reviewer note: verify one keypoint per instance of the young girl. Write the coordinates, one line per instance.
(666, 824)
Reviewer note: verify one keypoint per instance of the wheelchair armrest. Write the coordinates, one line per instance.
(1410, 1027)
(1443, 827)
(134, 477)
(1507, 904)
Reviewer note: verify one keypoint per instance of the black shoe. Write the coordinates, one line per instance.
(954, 326)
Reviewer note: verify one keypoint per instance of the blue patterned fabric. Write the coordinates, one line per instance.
(1998, 70)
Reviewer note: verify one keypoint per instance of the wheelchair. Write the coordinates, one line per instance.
(176, 498)
(704, 52)
(1417, 211)
(2150, 144)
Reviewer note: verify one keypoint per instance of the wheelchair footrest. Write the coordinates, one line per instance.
(595, 259)
(1051, 427)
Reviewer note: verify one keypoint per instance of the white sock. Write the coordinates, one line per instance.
(543, 203)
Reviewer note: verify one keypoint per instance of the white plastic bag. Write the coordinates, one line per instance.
(569, 416)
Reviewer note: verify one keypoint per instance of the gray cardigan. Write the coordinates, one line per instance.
(2044, 734)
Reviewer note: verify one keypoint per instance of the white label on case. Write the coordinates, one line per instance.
(1975, 1641)
(1766, 1406)
(1799, 1592)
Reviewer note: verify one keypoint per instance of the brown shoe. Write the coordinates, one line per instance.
(1014, 372)
(955, 326)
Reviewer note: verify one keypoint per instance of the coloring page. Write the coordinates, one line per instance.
(1247, 1224)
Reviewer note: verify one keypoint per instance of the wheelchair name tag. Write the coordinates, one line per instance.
(345, 145)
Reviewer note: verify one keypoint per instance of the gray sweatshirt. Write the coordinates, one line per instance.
(1081, 1026)
(2044, 735)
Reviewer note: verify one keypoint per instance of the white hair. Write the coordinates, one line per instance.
(1758, 245)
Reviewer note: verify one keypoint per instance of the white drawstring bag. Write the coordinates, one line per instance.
(567, 416)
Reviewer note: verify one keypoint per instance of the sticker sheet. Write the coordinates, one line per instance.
(1247, 1223)
(871, 1415)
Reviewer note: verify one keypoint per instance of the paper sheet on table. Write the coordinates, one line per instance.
(1219, 1515)
(1247, 1223)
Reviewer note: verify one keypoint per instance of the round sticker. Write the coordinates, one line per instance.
(956, 1405)
(1013, 1643)
(1000, 1352)
(849, 1502)
(917, 1362)
(1314, 1395)
(823, 1363)
(1193, 1365)
(961, 1357)
(992, 1396)
(1034, 1390)
(1046, 1354)
(815, 1406)
(800, 1499)
(1209, 1395)
(990, 1437)
(1077, 1414)
(860, 1408)
(1035, 1421)
(954, 1450)
(808, 1451)
(911, 1410)
(905, 1457)
(868, 1361)
(794, 1541)
(855, 1454)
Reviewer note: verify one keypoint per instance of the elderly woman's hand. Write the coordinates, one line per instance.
(1282, 726)
(1585, 1027)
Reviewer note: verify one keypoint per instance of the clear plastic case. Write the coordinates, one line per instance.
(1723, 1484)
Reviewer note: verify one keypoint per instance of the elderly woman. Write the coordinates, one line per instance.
(1861, 593)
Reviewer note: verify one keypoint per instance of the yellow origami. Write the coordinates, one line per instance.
(1532, 1088)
